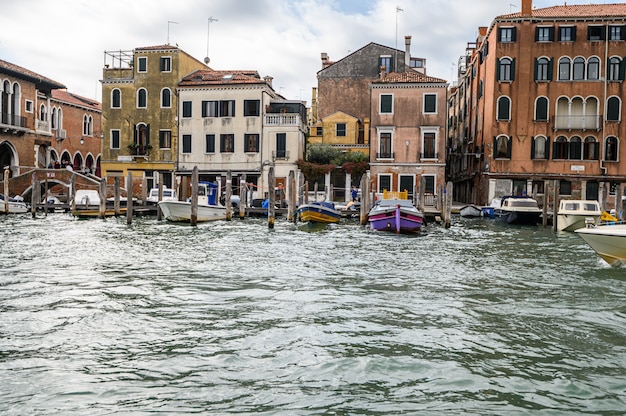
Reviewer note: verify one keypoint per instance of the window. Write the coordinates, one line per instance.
(227, 143)
(505, 69)
(29, 106)
(43, 114)
(565, 187)
(210, 108)
(251, 143)
(53, 119)
(540, 148)
(165, 64)
(251, 108)
(595, 33)
(384, 183)
(115, 139)
(430, 184)
(87, 125)
(502, 147)
(227, 108)
(593, 68)
(617, 33)
(429, 146)
(564, 69)
(166, 98)
(560, 148)
(579, 69)
(544, 34)
(504, 109)
(506, 34)
(142, 64)
(430, 103)
(281, 145)
(186, 109)
(541, 109)
(591, 148)
(165, 139)
(386, 104)
(116, 98)
(209, 143)
(386, 62)
(611, 149)
(341, 130)
(543, 69)
(575, 148)
(142, 98)
(616, 69)
(613, 109)
(567, 33)
(186, 143)
(384, 146)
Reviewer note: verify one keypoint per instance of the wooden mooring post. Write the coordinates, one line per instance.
(271, 183)
(5, 208)
(229, 192)
(447, 214)
(365, 195)
(242, 196)
(116, 196)
(291, 208)
(555, 200)
(160, 198)
(35, 190)
(194, 196)
(546, 201)
(129, 198)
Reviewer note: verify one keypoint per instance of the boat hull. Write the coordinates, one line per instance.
(471, 211)
(396, 219)
(518, 217)
(573, 222)
(180, 211)
(14, 207)
(609, 241)
(318, 213)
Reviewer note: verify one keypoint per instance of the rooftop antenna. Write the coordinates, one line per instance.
(511, 5)
(398, 9)
(168, 30)
(206, 59)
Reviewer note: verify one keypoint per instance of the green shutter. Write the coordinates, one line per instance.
(548, 148)
(498, 69)
(550, 68)
(508, 148)
(513, 69)
(536, 69)
(532, 147)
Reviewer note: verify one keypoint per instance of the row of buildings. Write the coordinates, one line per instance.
(538, 98)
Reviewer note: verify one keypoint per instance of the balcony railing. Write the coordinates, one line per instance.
(282, 120)
(386, 155)
(13, 120)
(429, 155)
(280, 154)
(61, 134)
(42, 125)
(577, 122)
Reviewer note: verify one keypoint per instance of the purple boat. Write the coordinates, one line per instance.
(396, 215)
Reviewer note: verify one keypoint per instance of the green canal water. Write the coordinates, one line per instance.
(98, 317)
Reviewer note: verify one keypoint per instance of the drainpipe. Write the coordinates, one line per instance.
(606, 80)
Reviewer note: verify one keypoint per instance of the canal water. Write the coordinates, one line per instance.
(98, 317)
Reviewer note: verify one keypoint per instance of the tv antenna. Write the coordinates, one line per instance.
(208, 32)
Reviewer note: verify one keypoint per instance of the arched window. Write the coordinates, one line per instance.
(504, 108)
(616, 71)
(53, 122)
(541, 109)
(579, 69)
(611, 149)
(593, 68)
(560, 148)
(613, 109)
(590, 148)
(43, 115)
(116, 98)
(142, 98)
(543, 69)
(575, 148)
(502, 147)
(540, 148)
(85, 125)
(60, 119)
(565, 69)
(506, 69)
(90, 126)
(166, 98)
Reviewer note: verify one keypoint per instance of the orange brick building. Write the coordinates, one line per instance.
(539, 101)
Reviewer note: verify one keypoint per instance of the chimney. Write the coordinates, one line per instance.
(268, 80)
(324, 60)
(407, 51)
(383, 72)
(527, 7)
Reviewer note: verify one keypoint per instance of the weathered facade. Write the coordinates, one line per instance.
(408, 132)
(539, 101)
(235, 121)
(140, 104)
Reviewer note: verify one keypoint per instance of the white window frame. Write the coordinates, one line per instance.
(380, 104)
(380, 131)
(424, 102)
(119, 132)
(145, 59)
(426, 130)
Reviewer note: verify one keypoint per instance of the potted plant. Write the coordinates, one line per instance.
(133, 148)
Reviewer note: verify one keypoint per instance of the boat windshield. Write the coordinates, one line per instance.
(523, 203)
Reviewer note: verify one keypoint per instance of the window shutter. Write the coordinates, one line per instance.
(513, 69)
(134, 133)
(622, 69)
(573, 33)
(550, 68)
(596, 150)
(514, 34)
(536, 34)
(495, 147)
(554, 149)
(622, 33)
(147, 135)
(548, 148)
(551, 34)
(536, 69)
(498, 69)
(532, 148)
(508, 148)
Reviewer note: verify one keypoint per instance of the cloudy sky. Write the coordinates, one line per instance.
(65, 40)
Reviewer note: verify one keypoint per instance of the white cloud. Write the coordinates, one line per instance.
(66, 40)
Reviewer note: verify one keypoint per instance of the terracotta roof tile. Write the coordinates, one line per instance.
(28, 74)
(574, 11)
(156, 48)
(409, 76)
(221, 77)
(70, 98)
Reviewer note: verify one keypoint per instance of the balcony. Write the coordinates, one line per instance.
(13, 120)
(61, 134)
(282, 120)
(578, 122)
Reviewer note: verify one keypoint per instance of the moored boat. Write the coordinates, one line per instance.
(573, 214)
(471, 211)
(520, 210)
(322, 212)
(208, 210)
(13, 205)
(396, 215)
(606, 239)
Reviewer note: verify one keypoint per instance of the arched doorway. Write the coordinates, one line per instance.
(78, 162)
(89, 165)
(8, 157)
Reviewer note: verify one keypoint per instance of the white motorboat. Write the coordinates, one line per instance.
(15, 205)
(471, 211)
(573, 213)
(520, 210)
(208, 210)
(168, 194)
(608, 240)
